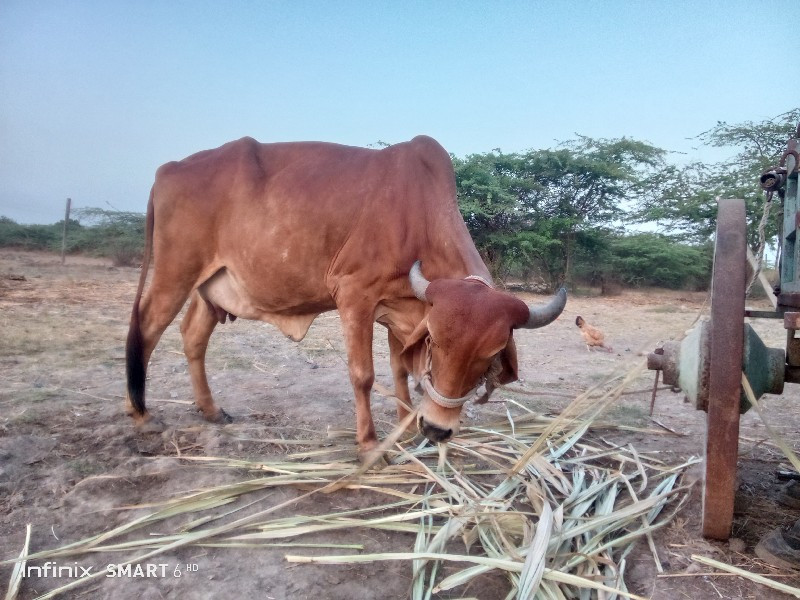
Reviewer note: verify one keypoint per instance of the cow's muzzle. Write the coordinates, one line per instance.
(433, 432)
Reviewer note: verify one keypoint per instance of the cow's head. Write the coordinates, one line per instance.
(465, 341)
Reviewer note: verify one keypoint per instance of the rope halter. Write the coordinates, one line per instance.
(478, 278)
(427, 382)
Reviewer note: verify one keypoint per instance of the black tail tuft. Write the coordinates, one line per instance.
(134, 362)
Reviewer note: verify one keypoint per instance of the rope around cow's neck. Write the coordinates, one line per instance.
(427, 382)
(479, 278)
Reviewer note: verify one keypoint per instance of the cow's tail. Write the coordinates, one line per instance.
(135, 367)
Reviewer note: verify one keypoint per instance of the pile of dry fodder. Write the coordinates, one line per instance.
(556, 510)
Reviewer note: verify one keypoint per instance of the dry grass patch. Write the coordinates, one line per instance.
(538, 498)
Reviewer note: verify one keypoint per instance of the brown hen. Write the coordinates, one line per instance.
(593, 337)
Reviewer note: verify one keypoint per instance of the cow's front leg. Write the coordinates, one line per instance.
(357, 326)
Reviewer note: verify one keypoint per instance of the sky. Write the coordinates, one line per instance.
(94, 96)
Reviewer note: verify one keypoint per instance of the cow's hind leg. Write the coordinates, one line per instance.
(196, 329)
(158, 307)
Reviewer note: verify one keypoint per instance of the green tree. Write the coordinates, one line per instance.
(582, 186)
(526, 211)
(486, 186)
(658, 260)
(683, 199)
(608, 258)
(33, 237)
(113, 233)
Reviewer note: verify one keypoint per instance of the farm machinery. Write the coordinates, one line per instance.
(709, 362)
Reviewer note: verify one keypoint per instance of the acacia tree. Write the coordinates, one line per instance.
(117, 234)
(486, 186)
(683, 199)
(526, 211)
(584, 186)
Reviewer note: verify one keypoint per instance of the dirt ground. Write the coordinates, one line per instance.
(70, 459)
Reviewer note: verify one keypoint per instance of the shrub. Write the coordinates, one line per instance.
(657, 260)
(114, 234)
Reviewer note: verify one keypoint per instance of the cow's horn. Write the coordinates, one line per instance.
(418, 282)
(544, 315)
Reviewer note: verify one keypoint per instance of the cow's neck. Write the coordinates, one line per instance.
(400, 316)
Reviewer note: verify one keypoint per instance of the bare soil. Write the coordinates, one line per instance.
(70, 461)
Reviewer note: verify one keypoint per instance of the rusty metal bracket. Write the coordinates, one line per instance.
(791, 322)
(773, 179)
(687, 364)
(789, 299)
(791, 158)
(763, 314)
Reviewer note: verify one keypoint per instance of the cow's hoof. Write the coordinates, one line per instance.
(411, 435)
(220, 417)
(372, 459)
(150, 425)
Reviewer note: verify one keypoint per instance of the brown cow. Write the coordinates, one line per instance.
(283, 232)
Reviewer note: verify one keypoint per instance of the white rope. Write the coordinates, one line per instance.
(761, 241)
(427, 383)
(444, 401)
(479, 278)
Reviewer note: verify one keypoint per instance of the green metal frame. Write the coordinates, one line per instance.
(790, 274)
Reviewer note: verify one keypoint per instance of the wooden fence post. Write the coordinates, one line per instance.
(64, 236)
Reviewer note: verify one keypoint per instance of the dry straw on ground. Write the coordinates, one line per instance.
(539, 498)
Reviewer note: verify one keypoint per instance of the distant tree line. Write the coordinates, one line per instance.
(596, 212)
(552, 216)
(113, 234)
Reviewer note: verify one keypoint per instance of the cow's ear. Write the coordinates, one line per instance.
(508, 363)
(419, 333)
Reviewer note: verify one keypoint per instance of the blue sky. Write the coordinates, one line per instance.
(94, 96)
